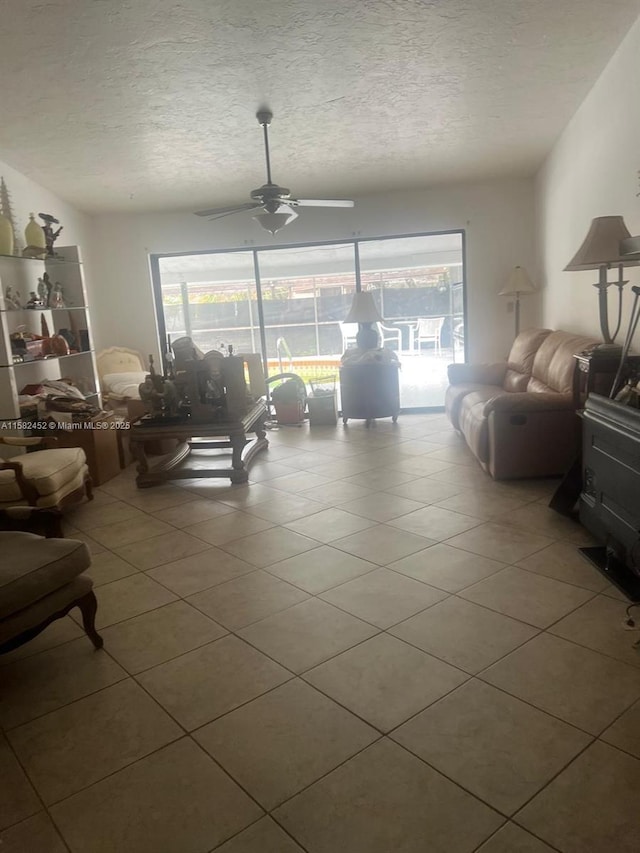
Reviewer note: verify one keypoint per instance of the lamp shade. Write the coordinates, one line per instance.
(273, 222)
(519, 282)
(363, 309)
(630, 249)
(601, 246)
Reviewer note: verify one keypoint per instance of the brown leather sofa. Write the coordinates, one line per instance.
(518, 416)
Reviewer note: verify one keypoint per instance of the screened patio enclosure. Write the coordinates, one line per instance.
(293, 301)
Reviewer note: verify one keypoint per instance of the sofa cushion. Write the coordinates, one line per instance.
(521, 357)
(33, 567)
(9, 490)
(473, 421)
(47, 470)
(554, 365)
(455, 394)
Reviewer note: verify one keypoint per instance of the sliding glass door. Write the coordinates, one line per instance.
(290, 304)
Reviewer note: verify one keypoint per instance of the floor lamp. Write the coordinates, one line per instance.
(519, 282)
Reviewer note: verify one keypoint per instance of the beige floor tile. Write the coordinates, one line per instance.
(192, 512)
(149, 553)
(235, 525)
(320, 569)
(455, 454)
(128, 597)
(600, 625)
(93, 546)
(75, 746)
(385, 799)
(435, 523)
(483, 503)
(424, 490)
(239, 496)
(307, 634)
(625, 732)
(348, 467)
(281, 742)
(531, 598)
(90, 515)
(499, 542)
(267, 471)
(464, 634)
(495, 746)
(283, 508)
(177, 799)
(55, 634)
(336, 493)
(210, 681)
(539, 518)
(463, 475)
(564, 562)
(330, 524)
(381, 478)
(422, 466)
(107, 567)
(380, 506)
(298, 481)
(265, 836)
(159, 497)
(384, 681)
(35, 835)
(131, 530)
(577, 685)
(382, 544)
(247, 599)
(53, 678)
(159, 635)
(383, 597)
(592, 807)
(270, 546)
(446, 568)
(200, 571)
(18, 800)
(511, 838)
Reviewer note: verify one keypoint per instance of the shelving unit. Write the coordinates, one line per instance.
(21, 274)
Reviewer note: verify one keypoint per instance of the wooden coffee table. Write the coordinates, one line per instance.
(222, 435)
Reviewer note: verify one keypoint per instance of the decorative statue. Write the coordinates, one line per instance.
(56, 299)
(12, 300)
(42, 290)
(35, 301)
(160, 395)
(50, 235)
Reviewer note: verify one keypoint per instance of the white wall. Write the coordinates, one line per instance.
(592, 171)
(28, 197)
(497, 217)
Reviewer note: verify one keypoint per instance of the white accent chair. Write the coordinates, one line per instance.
(387, 335)
(427, 330)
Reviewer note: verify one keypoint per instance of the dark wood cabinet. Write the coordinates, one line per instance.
(369, 391)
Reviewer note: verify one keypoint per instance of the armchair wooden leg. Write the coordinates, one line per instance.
(88, 488)
(88, 605)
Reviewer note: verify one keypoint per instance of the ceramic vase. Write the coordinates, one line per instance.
(34, 235)
(6, 236)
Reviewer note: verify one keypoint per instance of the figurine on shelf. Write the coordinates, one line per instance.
(56, 299)
(12, 300)
(35, 301)
(42, 290)
(50, 235)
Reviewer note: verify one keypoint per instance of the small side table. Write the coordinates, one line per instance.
(369, 391)
(596, 369)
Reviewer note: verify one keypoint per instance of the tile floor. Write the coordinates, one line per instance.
(370, 648)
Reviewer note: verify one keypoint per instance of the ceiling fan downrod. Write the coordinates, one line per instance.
(264, 117)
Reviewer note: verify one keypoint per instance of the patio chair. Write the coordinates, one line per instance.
(387, 335)
(427, 330)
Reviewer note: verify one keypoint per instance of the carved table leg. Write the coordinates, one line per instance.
(138, 452)
(88, 605)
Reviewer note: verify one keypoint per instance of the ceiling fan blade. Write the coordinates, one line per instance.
(323, 202)
(233, 208)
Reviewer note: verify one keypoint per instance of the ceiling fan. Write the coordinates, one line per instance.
(278, 207)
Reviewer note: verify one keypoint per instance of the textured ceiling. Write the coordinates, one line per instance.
(150, 104)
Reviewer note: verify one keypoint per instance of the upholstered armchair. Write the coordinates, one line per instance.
(43, 478)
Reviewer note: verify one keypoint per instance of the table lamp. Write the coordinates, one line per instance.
(519, 282)
(364, 312)
(600, 251)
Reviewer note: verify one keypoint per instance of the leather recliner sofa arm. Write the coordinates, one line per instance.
(477, 374)
(529, 402)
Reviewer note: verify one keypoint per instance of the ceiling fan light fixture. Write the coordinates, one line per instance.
(273, 222)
